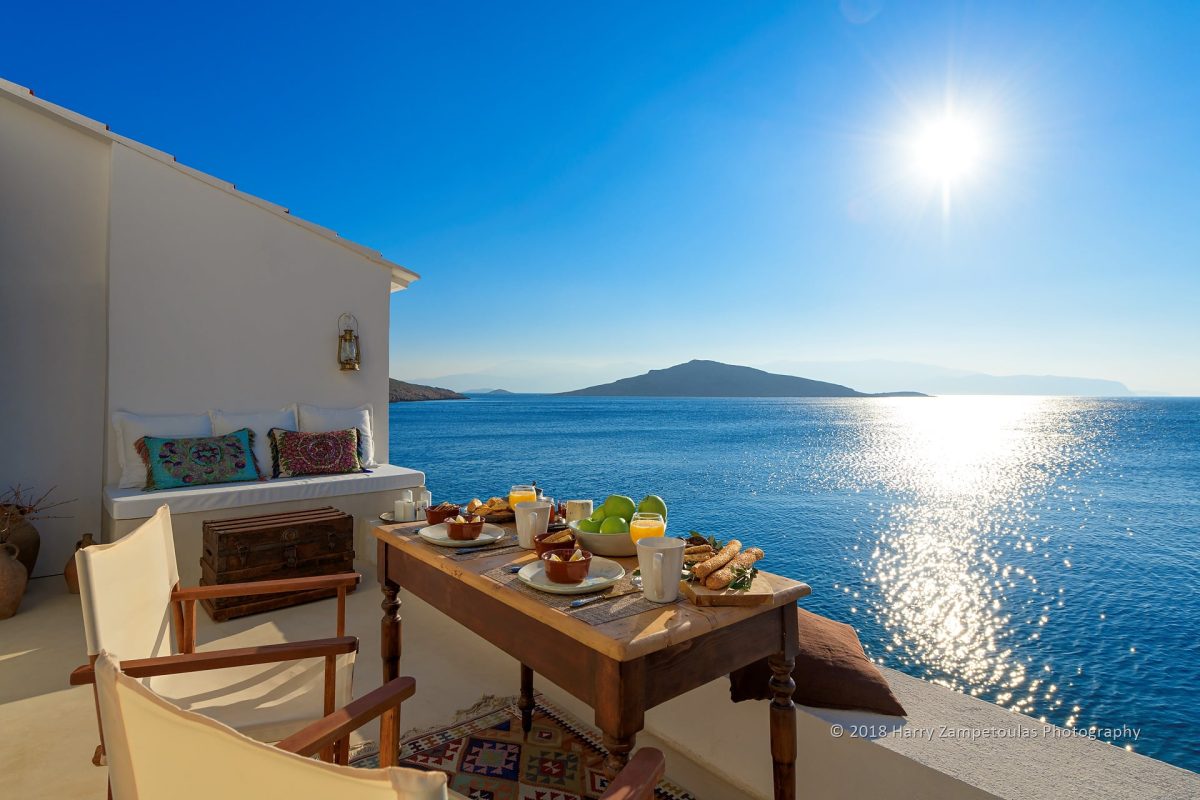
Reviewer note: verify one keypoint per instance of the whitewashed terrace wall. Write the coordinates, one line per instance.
(128, 283)
(53, 346)
(217, 303)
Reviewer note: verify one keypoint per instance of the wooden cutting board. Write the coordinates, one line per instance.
(760, 591)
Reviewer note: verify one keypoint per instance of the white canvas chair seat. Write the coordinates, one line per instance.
(158, 751)
(126, 593)
(267, 702)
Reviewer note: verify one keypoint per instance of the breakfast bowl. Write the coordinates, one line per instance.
(464, 531)
(442, 512)
(604, 544)
(560, 569)
(541, 546)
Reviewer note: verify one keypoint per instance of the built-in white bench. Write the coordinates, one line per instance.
(364, 495)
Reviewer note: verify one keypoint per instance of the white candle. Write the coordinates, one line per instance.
(405, 494)
(404, 511)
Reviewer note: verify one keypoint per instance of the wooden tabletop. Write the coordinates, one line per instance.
(622, 639)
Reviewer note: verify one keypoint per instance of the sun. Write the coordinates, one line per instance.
(948, 149)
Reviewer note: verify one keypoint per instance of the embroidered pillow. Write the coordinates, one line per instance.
(300, 453)
(173, 462)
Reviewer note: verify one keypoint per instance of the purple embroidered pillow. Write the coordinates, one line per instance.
(299, 453)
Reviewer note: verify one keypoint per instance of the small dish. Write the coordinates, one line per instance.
(464, 531)
(560, 569)
(603, 574)
(437, 534)
(541, 547)
(438, 514)
(388, 517)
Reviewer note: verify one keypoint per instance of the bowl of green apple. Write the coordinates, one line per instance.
(606, 531)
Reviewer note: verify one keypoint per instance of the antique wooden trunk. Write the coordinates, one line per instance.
(272, 547)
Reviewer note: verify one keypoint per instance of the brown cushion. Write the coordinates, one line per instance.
(832, 671)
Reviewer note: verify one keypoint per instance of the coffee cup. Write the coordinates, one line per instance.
(533, 519)
(660, 560)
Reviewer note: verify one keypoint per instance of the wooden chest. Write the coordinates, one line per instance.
(293, 545)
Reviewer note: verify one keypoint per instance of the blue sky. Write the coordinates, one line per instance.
(613, 184)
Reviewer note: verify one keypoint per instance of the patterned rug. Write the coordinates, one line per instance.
(487, 756)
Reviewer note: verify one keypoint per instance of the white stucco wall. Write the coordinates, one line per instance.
(217, 303)
(53, 221)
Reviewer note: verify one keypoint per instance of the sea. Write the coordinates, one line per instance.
(1039, 553)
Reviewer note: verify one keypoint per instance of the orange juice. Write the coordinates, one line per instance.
(646, 526)
(521, 494)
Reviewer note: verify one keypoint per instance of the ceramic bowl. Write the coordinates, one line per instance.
(604, 544)
(436, 516)
(566, 571)
(464, 531)
(541, 547)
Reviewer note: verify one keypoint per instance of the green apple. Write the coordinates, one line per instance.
(618, 505)
(588, 525)
(598, 515)
(653, 504)
(614, 525)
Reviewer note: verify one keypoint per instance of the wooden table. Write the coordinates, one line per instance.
(620, 668)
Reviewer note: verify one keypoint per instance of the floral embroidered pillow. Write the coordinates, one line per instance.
(300, 453)
(173, 462)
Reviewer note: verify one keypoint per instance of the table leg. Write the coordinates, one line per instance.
(389, 634)
(620, 710)
(525, 703)
(783, 726)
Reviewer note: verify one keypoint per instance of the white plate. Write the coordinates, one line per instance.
(437, 534)
(603, 574)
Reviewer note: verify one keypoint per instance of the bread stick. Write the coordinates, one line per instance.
(706, 568)
(698, 550)
(724, 576)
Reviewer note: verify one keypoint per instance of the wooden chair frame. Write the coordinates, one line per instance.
(183, 613)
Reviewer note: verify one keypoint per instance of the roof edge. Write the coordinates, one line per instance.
(401, 276)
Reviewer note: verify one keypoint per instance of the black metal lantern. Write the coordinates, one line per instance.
(348, 350)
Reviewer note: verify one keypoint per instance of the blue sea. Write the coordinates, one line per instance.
(1039, 553)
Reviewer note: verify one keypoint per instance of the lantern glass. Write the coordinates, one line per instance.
(348, 350)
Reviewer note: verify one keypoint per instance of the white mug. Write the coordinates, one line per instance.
(578, 509)
(404, 511)
(660, 559)
(533, 519)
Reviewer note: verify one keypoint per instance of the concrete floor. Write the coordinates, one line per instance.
(49, 728)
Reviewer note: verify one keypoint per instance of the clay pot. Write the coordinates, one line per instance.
(21, 533)
(13, 578)
(71, 571)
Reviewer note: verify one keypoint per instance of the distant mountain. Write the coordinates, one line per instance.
(402, 392)
(714, 379)
(499, 391)
(875, 374)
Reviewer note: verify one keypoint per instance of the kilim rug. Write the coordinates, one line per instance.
(486, 755)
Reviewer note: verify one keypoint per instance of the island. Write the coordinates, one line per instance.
(713, 379)
(404, 392)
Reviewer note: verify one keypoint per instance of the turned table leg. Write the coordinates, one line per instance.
(389, 632)
(525, 703)
(783, 726)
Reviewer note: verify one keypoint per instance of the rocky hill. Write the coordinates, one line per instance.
(714, 379)
(402, 392)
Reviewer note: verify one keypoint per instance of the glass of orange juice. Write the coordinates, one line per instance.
(520, 494)
(646, 525)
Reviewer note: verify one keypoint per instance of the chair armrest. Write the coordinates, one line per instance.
(341, 723)
(221, 659)
(267, 587)
(640, 776)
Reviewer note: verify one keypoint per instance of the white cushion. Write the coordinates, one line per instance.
(138, 504)
(261, 423)
(131, 427)
(316, 419)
